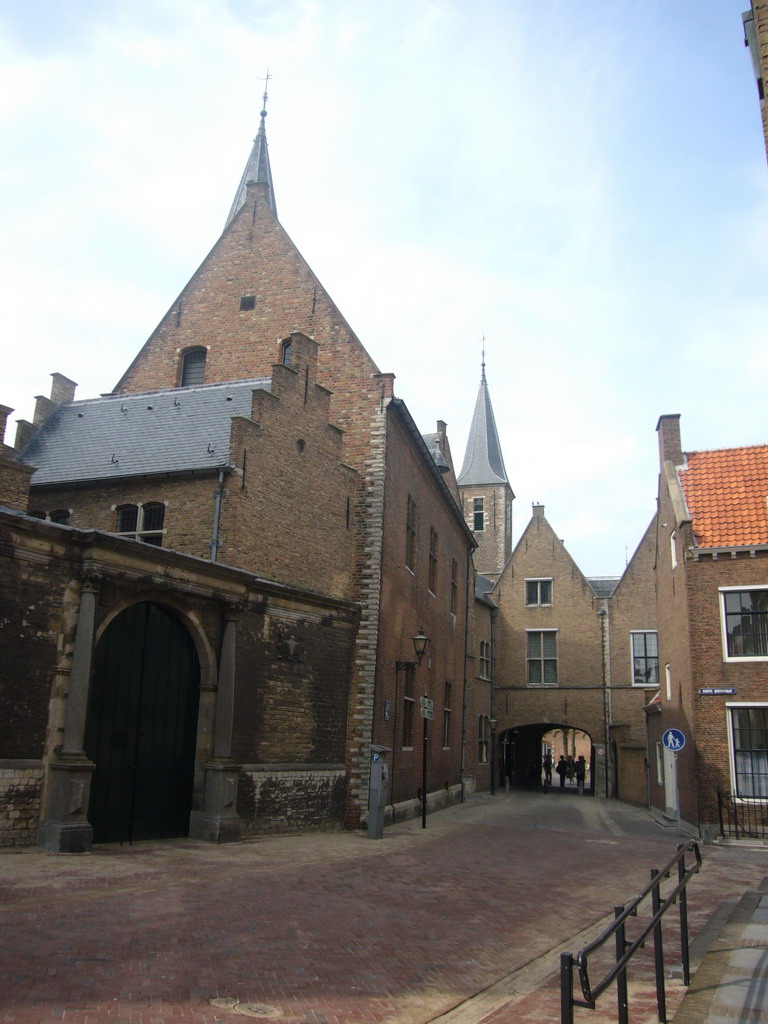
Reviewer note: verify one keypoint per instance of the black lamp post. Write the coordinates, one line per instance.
(420, 645)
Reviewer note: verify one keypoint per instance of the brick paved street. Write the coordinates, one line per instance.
(335, 929)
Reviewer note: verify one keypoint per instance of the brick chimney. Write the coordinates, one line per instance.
(5, 412)
(670, 445)
(62, 388)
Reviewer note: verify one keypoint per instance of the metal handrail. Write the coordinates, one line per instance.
(626, 950)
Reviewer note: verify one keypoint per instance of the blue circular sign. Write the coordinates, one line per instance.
(673, 739)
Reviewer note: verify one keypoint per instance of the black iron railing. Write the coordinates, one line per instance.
(742, 818)
(625, 949)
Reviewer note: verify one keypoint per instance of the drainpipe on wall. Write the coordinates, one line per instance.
(493, 721)
(607, 710)
(217, 496)
(463, 758)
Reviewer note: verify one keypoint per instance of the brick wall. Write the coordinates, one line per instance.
(407, 605)
(256, 257)
(495, 539)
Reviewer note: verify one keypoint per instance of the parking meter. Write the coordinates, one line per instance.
(378, 791)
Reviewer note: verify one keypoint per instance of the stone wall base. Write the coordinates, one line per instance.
(20, 788)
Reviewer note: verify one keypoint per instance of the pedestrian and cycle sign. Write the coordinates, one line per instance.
(673, 739)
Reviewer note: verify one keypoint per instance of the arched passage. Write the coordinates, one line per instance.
(524, 748)
(141, 726)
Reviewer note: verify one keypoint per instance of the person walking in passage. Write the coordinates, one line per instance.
(548, 769)
(581, 772)
(562, 770)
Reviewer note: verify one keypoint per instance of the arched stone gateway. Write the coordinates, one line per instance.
(524, 748)
(141, 726)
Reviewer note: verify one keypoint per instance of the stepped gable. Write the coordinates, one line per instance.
(726, 492)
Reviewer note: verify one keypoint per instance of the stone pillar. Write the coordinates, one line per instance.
(218, 822)
(64, 827)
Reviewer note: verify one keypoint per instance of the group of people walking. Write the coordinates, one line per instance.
(567, 768)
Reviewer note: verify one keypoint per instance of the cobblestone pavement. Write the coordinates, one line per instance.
(463, 920)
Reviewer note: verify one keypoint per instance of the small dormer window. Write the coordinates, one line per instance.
(247, 302)
(193, 367)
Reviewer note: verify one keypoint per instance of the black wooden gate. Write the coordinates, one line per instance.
(142, 726)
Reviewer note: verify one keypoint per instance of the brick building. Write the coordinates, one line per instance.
(712, 585)
(755, 22)
(574, 656)
(297, 531)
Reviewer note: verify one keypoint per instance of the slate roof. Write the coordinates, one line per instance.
(726, 492)
(483, 461)
(256, 169)
(432, 441)
(181, 430)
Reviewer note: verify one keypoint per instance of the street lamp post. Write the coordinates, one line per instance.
(420, 645)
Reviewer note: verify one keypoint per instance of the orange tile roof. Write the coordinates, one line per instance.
(726, 492)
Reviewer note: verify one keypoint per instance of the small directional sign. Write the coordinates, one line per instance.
(427, 713)
(673, 739)
(427, 704)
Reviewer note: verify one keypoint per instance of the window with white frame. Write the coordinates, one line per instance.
(141, 522)
(749, 750)
(447, 709)
(410, 534)
(478, 514)
(485, 659)
(409, 702)
(432, 576)
(645, 657)
(541, 657)
(538, 591)
(745, 623)
(483, 734)
(659, 764)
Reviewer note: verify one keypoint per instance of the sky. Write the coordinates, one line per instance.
(578, 187)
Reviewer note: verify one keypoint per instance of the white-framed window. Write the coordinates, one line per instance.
(744, 617)
(432, 578)
(645, 657)
(447, 709)
(538, 591)
(673, 549)
(410, 534)
(541, 657)
(668, 681)
(485, 660)
(483, 741)
(409, 703)
(748, 748)
(141, 522)
(478, 514)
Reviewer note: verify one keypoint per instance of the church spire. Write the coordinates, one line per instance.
(483, 461)
(257, 167)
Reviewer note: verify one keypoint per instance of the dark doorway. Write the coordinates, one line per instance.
(142, 726)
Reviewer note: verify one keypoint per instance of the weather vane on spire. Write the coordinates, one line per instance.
(482, 379)
(265, 97)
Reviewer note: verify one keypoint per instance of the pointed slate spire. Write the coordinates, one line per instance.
(257, 168)
(483, 462)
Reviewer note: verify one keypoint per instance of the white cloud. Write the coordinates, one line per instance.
(560, 178)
